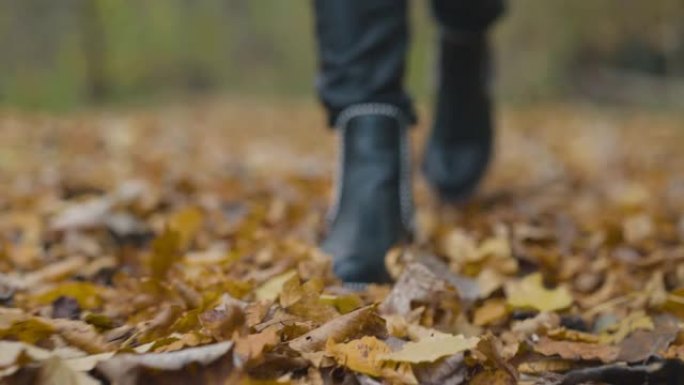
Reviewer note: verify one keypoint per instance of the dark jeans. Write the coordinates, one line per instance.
(363, 45)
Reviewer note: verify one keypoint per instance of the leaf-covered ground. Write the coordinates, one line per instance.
(178, 246)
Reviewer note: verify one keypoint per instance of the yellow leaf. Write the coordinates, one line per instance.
(530, 293)
(270, 290)
(432, 348)
(86, 294)
(29, 330)
(187, 222)
(165, 252)
(343, 303)
(291, 292)
(490, 312)
(362, 355)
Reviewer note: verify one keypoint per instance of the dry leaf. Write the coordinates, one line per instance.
(165, 252)
(618, 332)
(86, 294)
(253, 346)
(492, 377)
(364, 321)
(419, 285)
(431, 349)
(492, 311)
(577, 351)
(270, 290)
(362, 355)
(81, 335)
(56, 370)
(642, 344)
(124, 369)
(187, 223)
(530, 293)
(545, 366)
(572, 335)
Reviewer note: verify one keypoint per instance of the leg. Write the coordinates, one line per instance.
(362, 48)
(467, 16)
(460, 144)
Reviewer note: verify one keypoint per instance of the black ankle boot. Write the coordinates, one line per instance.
(460, 146)
(373, 208)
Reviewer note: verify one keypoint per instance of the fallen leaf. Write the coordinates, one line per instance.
(221, 321)
(450, 370)
(56, 370)
(492, 311)
(572, 335)
(30, 330)
(530, 293)
(343, 303)
(11, 351)
(270, 290)
(577, 351)
(187, 222)
(642, 344)
(124, 369)
(86, 294)
(253, 346)
(81, 335)
(431, 349)
(493, 351)
(422, 285)
(492, 377)
(359, 323)
(362, 355)
(545, 366)
(638, 320)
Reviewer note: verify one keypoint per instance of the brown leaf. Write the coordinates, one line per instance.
(642, 344)
(493, 377)
(577, 351)
(222, 321)
(253, 346)
(450, 370)
(81, 335)
(420, 285)
(493, 350)
(359, 323)
(492, 311)
(362, 355)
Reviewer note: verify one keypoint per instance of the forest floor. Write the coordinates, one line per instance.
(178, 246)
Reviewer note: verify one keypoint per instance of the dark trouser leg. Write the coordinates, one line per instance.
(362, 48)
(460, 145)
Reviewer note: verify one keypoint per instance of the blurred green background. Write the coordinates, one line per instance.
(65, 54)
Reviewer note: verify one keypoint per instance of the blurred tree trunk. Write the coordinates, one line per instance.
(94, 51)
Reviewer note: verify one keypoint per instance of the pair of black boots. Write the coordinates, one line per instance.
(373, 210)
